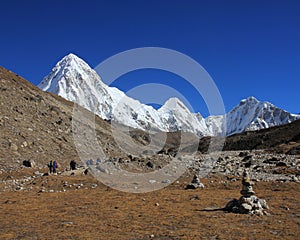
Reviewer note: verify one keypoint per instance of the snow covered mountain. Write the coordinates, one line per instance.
(250, 115)
(74, 80)
(176, 116)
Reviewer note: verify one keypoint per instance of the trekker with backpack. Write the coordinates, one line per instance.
(55, 166)
(73, 165)
(50, 166)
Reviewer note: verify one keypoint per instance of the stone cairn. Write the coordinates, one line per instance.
(196, 183)
(248, 202)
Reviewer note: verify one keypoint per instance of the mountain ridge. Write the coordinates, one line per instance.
(73, 79)
(38, 125)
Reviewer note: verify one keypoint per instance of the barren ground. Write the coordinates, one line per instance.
(170, 213)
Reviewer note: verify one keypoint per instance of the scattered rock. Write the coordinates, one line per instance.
(150, 164)
(38, 173)
(24, 144)
(166, 181)
(67, 223)
(285, 208)
(243, 154)
(295, 179)
(272, 160)
(28, 163)
(19, 188)
(247, 158)
(195, 197)
(248, 164)
(281, 164)
(13, 147)
(93, 185)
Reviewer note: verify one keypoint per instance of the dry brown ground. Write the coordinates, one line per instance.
(104, 213)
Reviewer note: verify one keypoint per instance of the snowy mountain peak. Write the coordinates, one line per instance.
(250, 99)
(173, 103)
(73, 79)
(74, 62)
(251, 114)
(69, 58)
(71, 61)
(69, 69)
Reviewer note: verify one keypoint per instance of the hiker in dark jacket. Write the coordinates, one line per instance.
(73, 165)
(54, 166)
(50, 166)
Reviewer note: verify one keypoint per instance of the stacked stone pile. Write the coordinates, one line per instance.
(248, 202)
(196, 183)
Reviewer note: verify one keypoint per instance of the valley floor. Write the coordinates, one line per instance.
(87, 209)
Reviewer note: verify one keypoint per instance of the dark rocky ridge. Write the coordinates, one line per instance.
(281, 139)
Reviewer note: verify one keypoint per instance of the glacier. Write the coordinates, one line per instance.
(73, 79)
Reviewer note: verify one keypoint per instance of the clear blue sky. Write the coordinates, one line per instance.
(248, 47)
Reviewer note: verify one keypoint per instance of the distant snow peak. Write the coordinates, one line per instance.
(73, 79)
(252, 114)
(250, 99)
(173, 104)
(68, 59)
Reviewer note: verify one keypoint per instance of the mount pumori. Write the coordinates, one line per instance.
(74, 80)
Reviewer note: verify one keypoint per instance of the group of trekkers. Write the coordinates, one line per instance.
(91, 162)
(52, 166)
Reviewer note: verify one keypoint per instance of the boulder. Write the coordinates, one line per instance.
(28, 163)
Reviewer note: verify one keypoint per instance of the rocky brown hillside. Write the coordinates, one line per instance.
(37, 125)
